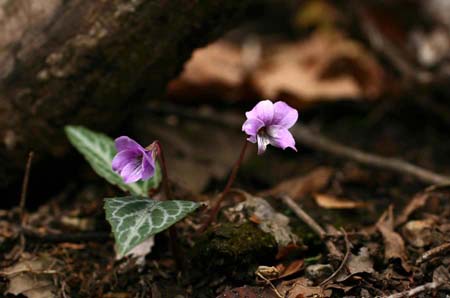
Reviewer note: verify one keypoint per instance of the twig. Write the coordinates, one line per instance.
(414, 291)
(22, 203)
(344, 261)
(436, 251)
(319, 142)
(304, 135)
(313, 225)
(23, 194)
(270, 284)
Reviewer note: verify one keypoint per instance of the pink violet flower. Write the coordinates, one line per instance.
(132, 161)
(269, 123)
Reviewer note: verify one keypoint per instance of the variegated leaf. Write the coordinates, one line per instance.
(135, 219)
(99, 151)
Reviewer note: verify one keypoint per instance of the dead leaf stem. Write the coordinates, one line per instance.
(332, 249)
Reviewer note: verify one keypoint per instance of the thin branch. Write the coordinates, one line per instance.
(314, 140)
(332, 249)
(23, 194)
(344, 261)
(436, 251)
(270, 284)
(414, 291)
(304, 135)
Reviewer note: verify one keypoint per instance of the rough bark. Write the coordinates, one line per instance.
(88, 62)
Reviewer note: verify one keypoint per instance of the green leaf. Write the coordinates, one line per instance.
(135, 219)
(99, 150)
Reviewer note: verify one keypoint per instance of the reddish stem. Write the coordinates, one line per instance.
(168, 195)
(164, 171)
(215, 210)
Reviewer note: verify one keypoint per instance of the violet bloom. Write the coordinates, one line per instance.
(269, 123)
(132, 161)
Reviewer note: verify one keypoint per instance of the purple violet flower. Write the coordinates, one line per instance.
(132, 161)
(269, 123)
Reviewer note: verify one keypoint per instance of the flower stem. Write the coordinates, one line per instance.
(231, 178)
(166, 187)
(168, 195)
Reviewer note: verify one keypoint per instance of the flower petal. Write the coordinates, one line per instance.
(132, 172)
(262, 111)
(252, 139)
(284, 115)
(123, 158)
(251, 126)
(281, 137)
(148, 166)
(126, 143)
(263, 141)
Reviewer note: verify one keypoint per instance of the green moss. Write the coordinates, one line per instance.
(233, 251)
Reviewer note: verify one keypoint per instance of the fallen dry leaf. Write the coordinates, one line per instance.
(292, 268)
(82, 224)
(264, 273)
(288, 250)
(298, 187)
(361, 263)
(324, 67)
(394, 246)
(248, 292)
(74, 246)
(418, 201)
(216, 71)
(32, 277)
(301, 288)
(332, 202)
(119, 295)
(327, 66)
(442, 276)
(419, 232)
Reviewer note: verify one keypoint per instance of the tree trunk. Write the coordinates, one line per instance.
(88, 62)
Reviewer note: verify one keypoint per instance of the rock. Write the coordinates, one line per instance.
(318, 272)
(418, 232)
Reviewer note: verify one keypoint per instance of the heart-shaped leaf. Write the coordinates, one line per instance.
(135, 219)
(99, 150)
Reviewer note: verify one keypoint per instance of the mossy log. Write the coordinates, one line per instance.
(89, 62)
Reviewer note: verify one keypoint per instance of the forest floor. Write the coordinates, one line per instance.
(383, 232)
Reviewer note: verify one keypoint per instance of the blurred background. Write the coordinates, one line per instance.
(370, 74)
